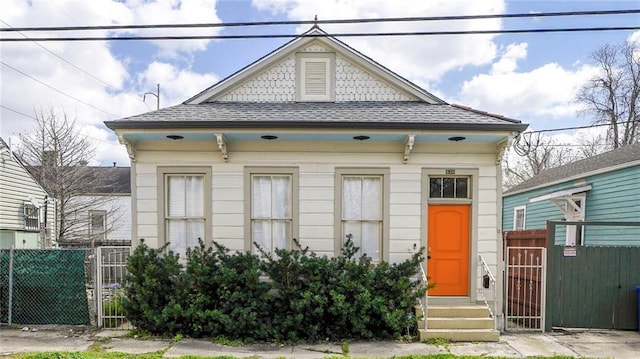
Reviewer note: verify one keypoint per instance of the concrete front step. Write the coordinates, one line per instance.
(460, 311)
(461, 335)
(457, 323)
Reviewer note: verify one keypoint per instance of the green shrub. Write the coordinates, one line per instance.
(291, 296)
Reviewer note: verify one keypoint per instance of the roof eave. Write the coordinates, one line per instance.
(134, 125)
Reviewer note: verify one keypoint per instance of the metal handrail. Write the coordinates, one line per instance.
(492, 284)
(424, 305)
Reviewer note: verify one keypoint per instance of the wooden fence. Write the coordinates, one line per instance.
(592, 287)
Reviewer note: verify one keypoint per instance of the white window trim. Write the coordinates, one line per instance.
(162, 172)
(515, 217)
(250, 171)
(329, 60)
(384, 236)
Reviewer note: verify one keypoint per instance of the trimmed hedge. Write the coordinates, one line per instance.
(293, 296)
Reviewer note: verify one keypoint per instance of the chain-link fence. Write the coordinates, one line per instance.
(44, 286)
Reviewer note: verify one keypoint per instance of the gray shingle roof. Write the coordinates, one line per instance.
(398, 114)
(602, 161)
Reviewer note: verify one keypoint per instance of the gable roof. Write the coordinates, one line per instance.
(605, 162)
(426, 113)
(314, 34)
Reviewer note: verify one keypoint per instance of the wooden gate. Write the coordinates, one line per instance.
(592, 286)
(593, 289)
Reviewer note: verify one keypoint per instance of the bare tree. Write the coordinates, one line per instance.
(531, 154)
(57, 154)
(612, 96)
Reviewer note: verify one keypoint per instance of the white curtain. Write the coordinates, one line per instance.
(271, 211)
(362, 213)
(185, 212)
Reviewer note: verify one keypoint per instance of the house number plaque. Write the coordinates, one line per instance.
(449, 172)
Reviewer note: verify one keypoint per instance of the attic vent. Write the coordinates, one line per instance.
(315, 77)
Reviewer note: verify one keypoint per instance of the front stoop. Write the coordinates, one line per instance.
(467, 323)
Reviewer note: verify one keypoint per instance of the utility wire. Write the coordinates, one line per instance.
(71, 64)
(57, 90)
(353, 34)
(36, 119)
(322, 22)
(575, 127)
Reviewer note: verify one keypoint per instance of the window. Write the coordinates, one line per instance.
(449, 187)
(185, 198)
(519, 217)
(315, 73)
(362, 211)
(31, 215)
(272, 208)
(98, 225)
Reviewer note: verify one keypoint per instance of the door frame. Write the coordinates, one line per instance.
(425, 201)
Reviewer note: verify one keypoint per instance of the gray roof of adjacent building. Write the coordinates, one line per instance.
(613, 160)
(388, 114)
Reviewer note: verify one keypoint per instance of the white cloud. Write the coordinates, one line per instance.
(175, 82)
(173, 12)
(116, 93)
(422, 59)
(545, 91)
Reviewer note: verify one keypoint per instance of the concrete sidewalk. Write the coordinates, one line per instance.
(574, 343)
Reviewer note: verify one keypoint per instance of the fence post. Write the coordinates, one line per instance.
(10, 289)
(550, 290)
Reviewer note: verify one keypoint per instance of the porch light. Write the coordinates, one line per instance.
(269, 137)
(361, 138)
(175, 137)
(457, 138)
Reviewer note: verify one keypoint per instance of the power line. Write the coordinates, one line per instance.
(353, 34)
(36, 119)
(18, 112)
(69, 63)
(55, 89)
(322, 22)
(575, 127)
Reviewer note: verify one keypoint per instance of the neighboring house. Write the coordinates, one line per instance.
(27, 212)
(98, 207)
(318, 142)
(108, 213)
(605, 187)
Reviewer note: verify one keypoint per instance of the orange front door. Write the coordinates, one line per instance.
(448, 248)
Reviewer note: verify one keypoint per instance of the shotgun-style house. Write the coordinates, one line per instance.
(604, 188)
(316, 141)
(27, 212)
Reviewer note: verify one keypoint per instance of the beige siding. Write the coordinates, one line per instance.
(316, 192)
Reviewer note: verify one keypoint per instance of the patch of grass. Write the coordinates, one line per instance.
(139, 334)
(437, 341)
(226, 341)
(345, 348)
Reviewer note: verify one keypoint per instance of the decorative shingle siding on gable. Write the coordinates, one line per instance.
(278, 83)
(354, 84)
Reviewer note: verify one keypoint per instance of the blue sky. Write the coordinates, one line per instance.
(531, 77)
